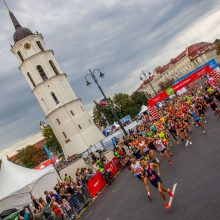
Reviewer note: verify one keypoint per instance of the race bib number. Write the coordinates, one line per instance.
(152, 177)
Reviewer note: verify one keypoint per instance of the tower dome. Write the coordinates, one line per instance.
(20, 32)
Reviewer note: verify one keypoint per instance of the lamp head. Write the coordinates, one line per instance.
(141, 78)
(101, 75)
(87, 83)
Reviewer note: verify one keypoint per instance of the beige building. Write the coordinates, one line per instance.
(71, 123)
(192, 57)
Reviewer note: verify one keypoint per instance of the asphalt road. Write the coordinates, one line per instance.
(196, 170)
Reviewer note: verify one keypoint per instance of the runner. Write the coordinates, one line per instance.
(149, 174)
(195, 116)
(162, 149)
(181, 129)
(136, 168)
(213, 105)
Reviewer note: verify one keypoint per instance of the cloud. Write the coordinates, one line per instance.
(119, 37)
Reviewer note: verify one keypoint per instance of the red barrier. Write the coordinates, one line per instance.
(95, 184)
(110, 167)
(115, 162)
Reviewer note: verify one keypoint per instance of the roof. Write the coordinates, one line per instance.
(192, 52)
(145, 82)
(20, 32)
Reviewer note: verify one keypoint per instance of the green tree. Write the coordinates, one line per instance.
(217, 43)
(124, 105)
(139, 98)
(30, 156)
(51, 140)
(102, 115)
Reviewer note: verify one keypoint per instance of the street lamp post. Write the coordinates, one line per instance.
(101, 75)
(145, 77)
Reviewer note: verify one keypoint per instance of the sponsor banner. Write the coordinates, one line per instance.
(110, 167)
(201, 72)
(95, 184)
(211, 63)
(161, 96)
(179, 85)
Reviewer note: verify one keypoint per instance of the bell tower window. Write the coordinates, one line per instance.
(30, 78)
(20, 56)
(53, 67)
(54, 98)
(40, 45)
(64, 134)
(41, 72)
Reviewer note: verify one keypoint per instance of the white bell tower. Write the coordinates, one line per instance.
(65, 113)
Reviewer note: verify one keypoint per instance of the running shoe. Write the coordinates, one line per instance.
(167, 205)
(171, 154)
(157, 160)
(190, 142)
(204, 132)
(205, 121)
(170, 193)
(187, 143)
(170, 162)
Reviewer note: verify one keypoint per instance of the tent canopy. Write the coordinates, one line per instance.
(144, 108)
(18, 183)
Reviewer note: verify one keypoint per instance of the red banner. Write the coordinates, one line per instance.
(161, 96)
(191, 78)
(110, 167)
(95, 184)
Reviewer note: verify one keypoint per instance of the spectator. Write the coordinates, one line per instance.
(46, 193)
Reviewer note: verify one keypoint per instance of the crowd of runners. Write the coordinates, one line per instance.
(156, 138)
(142, 149)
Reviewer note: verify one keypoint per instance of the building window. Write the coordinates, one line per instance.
(41, 72)
(58, 121)
(44, 104)
(72, 113)
(79, 126)
(20, 56)
(64, 134)
(30, 78)
(40, 45)
(82, 108)
(55, 98)
(53, 67)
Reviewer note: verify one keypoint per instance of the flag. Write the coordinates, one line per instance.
(103, 103)
(153, 112)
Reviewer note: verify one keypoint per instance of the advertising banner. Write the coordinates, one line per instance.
(95, 184)
(179, 85)
(110, 167)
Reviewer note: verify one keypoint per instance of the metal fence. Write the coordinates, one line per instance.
(77, 202)
(106, 143)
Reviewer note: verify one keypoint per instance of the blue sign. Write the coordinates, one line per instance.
(212, 64)
(46, 150)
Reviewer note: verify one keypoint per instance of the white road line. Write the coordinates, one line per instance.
(173, 191)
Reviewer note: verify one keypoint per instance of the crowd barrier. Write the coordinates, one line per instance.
(97, 182)
(111, 167)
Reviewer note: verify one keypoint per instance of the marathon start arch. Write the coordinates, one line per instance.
(174, 88)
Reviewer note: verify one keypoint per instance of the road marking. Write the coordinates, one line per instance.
(173, 191)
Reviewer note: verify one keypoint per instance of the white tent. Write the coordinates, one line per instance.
(17, 184)
(144, 108)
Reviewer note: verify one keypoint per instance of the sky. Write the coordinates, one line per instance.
(120, 37)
